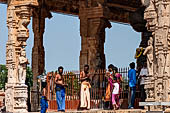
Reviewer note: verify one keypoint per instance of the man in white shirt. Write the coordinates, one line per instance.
(143, 74)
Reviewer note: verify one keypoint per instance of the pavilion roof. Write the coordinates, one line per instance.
(119, 9)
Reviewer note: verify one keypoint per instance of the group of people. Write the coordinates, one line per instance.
(114, 85)
(84, 93)
(113, 88)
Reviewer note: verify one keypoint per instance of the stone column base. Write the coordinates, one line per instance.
(16, 98)
(34, 101)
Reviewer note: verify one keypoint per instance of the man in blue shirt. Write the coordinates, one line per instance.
(132, 84)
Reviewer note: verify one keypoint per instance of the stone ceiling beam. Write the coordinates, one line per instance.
(125, 7)
(120, 12)
(119, 15)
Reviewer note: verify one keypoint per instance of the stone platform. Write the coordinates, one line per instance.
(105, 111)
(108, 111)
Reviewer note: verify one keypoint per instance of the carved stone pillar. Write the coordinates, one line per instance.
(38, 56)
(38, 53)
(157, 16)
(93, 22)
(18, 18)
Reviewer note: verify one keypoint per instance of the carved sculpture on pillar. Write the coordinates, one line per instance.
(149, 52)
(18, 18)
(157, 16)
(22, 66)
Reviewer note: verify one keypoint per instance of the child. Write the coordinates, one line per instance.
(43, 102)
(115, 94)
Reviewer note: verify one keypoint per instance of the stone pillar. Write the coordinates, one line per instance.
(38, 53)
(38, 56)
(18, 18)
(158, 57)
(93, 21)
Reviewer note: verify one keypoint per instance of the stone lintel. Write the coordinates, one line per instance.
(94, 12)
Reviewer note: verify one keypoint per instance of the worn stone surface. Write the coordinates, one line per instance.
(93, 22)
(38, 55)
(18, 18)
(157, 16)
(38, 52)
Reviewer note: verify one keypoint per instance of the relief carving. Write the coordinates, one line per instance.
(8, 99)
(149, 52)
(159, 92)
(157, 16)
(23, 61)
(150, 15)
(20, 102)
(151, 94)
(18, 18)
(10, 73)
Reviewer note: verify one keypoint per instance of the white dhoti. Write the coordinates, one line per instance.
(85, 95)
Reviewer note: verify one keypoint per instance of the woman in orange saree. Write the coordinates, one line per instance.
(109, 76)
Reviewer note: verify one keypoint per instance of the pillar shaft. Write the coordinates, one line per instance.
(92, 30)
(38, 54)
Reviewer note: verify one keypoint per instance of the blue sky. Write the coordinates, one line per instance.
(62, 42)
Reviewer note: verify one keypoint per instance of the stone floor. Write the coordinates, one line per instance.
(106, 111)
(109, 111)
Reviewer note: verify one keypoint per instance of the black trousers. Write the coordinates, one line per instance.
(143, 93)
